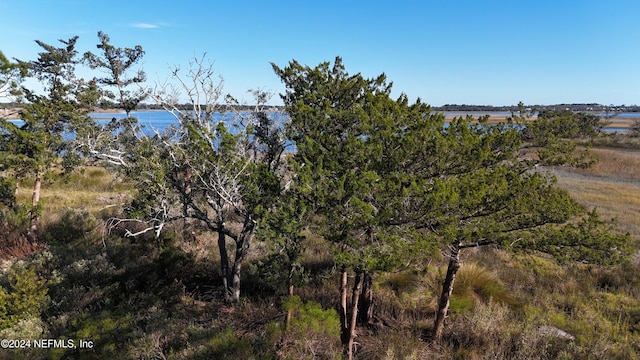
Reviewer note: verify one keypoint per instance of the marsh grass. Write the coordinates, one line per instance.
(620, 141)
(615, 164)
(93, 189)
(612, 200)
(612, 185)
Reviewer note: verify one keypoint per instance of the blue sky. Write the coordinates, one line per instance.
(445, 52)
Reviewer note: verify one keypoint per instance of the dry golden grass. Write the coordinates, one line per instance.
(612, 186)
(93, 189)
(612, 199)
(624, 164)
(621, 122)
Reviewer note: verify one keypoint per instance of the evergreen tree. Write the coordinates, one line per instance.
(350, 137)
(10, 77)
(113, 141)
(117, 63)
(392, 181)
(34, 147)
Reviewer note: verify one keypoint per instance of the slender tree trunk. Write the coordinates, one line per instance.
(235, 278)
(35, 200)
(242, 249)
(15, 193)
(355, 298)
(185, 201)
(287, 322)
(365, 307)
(344, 327)
(240, 254)
(447, 289)
(224, 262)
(293, 253)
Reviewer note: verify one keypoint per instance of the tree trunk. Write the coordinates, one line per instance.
(447, 289)
(344, 327)
(35, 200)
(236, 270)
(235, 279)
(287, 322)
(357, 289)
(242, 248)
(224, 262)
(185, 200)
(365, 307)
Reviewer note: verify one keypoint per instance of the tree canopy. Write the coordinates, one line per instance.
(393, 181)
(35, 146)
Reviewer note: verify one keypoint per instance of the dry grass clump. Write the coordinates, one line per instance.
(92, 188)
(562, 311)
(620, 141)
(406, 297)
(613, 199)
(394, 344)
(478, 283)
(494, 331)
(615, 164)
(612, 185)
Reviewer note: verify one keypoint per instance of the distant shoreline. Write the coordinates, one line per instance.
(617, 122)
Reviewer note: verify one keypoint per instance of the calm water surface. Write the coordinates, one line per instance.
(160, 120)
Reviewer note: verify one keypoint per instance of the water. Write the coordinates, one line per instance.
(152, 120)
(160, 119)
(452, 114)
(618, 115)
(627, 115)
(615, 129)
(155, 119)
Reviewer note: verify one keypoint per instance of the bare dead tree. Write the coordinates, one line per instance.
(211, 167)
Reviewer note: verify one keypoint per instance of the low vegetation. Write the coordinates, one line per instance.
(612, 185)
(137, 300)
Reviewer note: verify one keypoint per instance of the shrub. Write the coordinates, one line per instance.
(73, 225)
(13, 241)
(7, 192)
(475, 283)
(313, 333)
(634, 131)
(110, 331)
(226, 345)
(23, 297)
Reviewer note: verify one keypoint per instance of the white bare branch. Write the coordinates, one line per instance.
(202, 88)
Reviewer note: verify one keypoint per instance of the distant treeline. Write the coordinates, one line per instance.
(573, 107)
(104, 105)
(592, 107)
(190, 106)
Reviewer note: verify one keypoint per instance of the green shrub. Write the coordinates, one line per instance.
(110, 331)
(74, 225)
(310, 317)
(226, 345)
(23, 297)
(404, 282)
(313, 333)
(7, 192)
(32, 328)
(475, 283)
